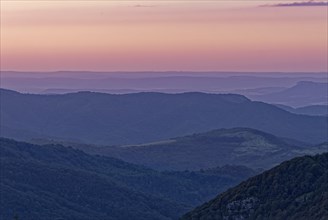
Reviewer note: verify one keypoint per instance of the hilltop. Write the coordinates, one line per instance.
(237, 146)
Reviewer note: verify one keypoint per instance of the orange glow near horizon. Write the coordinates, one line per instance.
(150, 35)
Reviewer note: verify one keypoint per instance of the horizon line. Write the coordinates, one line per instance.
(158, 71)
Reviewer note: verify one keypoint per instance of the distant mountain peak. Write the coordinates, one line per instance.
(8, 91)
(310, 83)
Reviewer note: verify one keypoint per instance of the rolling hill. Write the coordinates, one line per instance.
(294, 190)
(98, 118)
(302, 94)
(237, 146)
(307, 110)
(57, 182)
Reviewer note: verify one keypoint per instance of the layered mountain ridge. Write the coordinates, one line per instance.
(99, 118)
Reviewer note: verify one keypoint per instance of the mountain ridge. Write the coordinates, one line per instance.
(302, 94)
(145, 117)
(238, 146)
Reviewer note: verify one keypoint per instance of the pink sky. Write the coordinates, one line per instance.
(162, 35)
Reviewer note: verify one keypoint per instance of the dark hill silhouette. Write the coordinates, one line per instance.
(294, 190)
(145, 117)
(57, 182)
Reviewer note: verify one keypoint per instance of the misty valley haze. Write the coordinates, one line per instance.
(283, 88)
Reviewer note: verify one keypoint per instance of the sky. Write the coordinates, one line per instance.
(164, 35)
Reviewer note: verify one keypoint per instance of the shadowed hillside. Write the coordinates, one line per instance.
(56, 182)
(145, 117)
(294, 190)
(242, 146)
